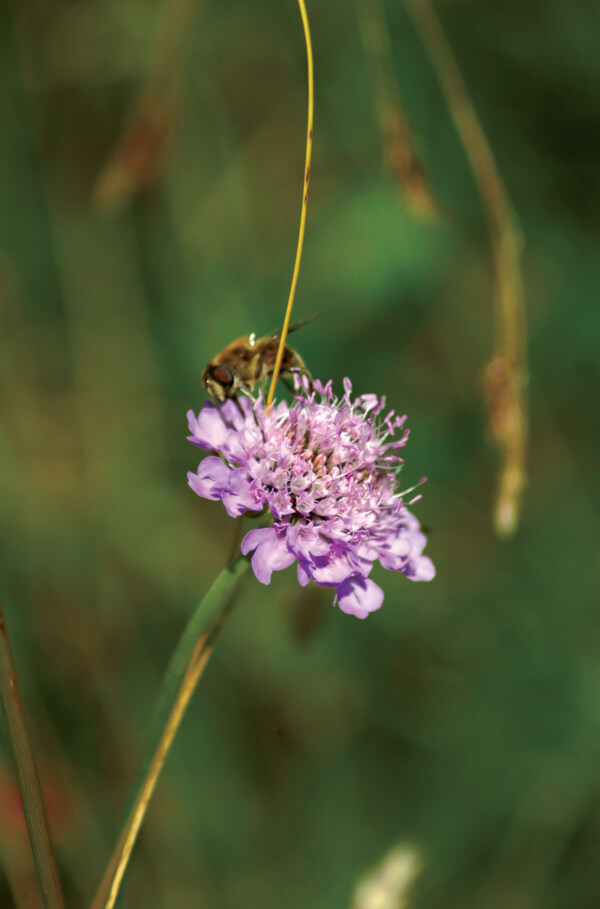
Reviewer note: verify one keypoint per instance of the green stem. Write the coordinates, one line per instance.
(27, 776)
(185, 669)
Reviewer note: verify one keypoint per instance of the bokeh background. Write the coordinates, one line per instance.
(151, 170)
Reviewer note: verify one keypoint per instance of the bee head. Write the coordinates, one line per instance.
(219, 382)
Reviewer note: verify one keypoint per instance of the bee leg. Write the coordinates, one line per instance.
(236, 400)
(264, 387)
(288, 384)
(298, 371)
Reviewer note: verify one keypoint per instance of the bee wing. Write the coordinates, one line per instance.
(300, 323)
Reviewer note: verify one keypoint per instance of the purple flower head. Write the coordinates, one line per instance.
(327, 470)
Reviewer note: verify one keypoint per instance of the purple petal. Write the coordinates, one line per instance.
(369, 402)
(211, 479)
(359, 596)
(268, 559)
(236, 447)
(240, 495)
(306, 541)
(303, 575)
(331, 570)
(421, 569)
(271, 553)
(404, 550)
(394, 553)
(234, 415)
(254, 538)
(408, 520)
(207, 429)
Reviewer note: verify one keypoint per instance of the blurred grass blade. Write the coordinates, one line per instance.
(27, 776)
(400, 149)
(506, 373)
(140, 155)
(185, 669)
(389, 884)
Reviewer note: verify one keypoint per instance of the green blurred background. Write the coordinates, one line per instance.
(464, 717)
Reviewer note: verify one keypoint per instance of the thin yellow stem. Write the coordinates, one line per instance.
(309, 139)
(506, 373)
(116, 869)
(185, 670)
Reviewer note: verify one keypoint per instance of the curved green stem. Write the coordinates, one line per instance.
(27, 776)
(185, 669)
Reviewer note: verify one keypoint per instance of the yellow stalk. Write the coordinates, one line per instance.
(309, 138)
(116, 869)
(185, 670)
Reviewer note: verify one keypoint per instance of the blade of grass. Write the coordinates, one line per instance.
(183, 674)
(400, 148)
(506, 372)
(27, 776)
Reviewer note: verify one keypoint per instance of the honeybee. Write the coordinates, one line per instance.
(248, 360)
